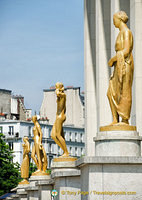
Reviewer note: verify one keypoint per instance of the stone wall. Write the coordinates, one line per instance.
(74, 107)
(5, 102)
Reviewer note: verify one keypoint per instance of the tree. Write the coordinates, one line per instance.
(32, 169)
(9, 171)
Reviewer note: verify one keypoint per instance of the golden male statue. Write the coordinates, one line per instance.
(25, 162)
(57, 133)
(38, 149)
(120, 84)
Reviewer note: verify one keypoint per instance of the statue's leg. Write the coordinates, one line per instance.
(113, 109)
(54, 135)
(125, 121)
(60, 138)
(33, 156)
(45, 159)
(37, 150)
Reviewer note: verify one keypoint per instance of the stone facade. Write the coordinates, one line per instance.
(15, 130)
(100, 36)
(12, 107)
(74, 107)
(18, 110)
(5, 102)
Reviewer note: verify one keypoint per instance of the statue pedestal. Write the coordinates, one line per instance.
(14, 197)
(111, 178)
(21, 191)
(117, 142)
(67, 180)
(40, 187)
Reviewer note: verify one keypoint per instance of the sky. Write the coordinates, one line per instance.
(41, 43)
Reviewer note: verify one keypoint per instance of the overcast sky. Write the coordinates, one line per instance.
(41, 42)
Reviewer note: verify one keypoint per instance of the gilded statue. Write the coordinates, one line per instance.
(120, 84)
(38, 152)
(25, 162)
(57, 133)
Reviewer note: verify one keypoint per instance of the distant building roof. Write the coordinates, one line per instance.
(17, 96)
(52, 88)
(5, 91)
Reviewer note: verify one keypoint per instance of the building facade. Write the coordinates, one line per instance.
(12, 106)
(74, 106)
(15, 130)
(5, 102)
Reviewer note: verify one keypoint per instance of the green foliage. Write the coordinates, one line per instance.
(9, 171)
(48, 171)
(32, 169)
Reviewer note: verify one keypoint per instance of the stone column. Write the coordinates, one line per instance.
(100, 36)
(97, 54)
(136, 27)
(115, 6)
(90, 75)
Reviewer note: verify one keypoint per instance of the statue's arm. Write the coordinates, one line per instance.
(112, 61)
(28, 147)
(40, 133)
(60, 94)
(127, 43)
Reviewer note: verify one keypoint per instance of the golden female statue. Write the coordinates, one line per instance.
(120, 84)
(57, 133)
(38, 149)
(25, 162)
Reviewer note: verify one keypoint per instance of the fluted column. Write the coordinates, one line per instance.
(97, 53)
(136, 27)
(90, 75)
(99, 40)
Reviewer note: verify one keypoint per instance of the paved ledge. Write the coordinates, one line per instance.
(117, 138)
(32, 188)
(22, 193)
(65, 173)
(70, 164)
(47, 182)
(14, 196)
(108, 160)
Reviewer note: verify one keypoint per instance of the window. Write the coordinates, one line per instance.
(75, 137)
(17, 134)
(1, 129)
(50, 150)
(49, 132)
(65, 135)
(70, 137)
(58, 150)
(71, 150)
(75, 151)
(11, 145)
(81, 137)
(11, 130)
(29, 131)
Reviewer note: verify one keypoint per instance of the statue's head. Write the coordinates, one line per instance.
(34, 118)
(118, 17)
(59, 86)
(25, 138)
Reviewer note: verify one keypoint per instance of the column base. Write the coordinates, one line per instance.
(118, 143)
(67, 180)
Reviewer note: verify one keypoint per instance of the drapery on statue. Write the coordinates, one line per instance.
(38, 151)
(25, 162)
(57, 133)
(120, 84)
